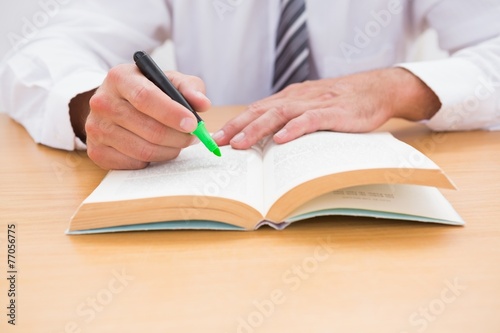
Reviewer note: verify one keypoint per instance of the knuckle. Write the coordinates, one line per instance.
(98, 131)
(99, 101)
(147, 153)
(254, 127)
(160, 135)
(327, 96)
(232, 127)
(95, 154)
(154, 132)
(115, 74)
(256, 108)
(155, 136)
(313, 119)
(280, 112)
(90, 127)
(102, 106)
(139, 95)
(279, 116)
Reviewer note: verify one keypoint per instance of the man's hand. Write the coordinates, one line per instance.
(132, 122)
(356, 103)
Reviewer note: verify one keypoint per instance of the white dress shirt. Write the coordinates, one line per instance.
(230, 45)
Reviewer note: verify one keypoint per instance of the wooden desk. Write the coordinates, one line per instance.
(326, 275)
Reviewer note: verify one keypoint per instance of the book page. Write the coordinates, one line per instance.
(418, 202)
(323, 153)
(236, 175)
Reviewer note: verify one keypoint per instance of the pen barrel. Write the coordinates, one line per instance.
(154, 73)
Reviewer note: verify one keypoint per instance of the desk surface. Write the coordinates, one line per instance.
(325, 275)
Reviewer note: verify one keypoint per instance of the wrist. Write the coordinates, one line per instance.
(79, 110)
(413, 99)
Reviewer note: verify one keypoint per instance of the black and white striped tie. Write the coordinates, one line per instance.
(292, 45)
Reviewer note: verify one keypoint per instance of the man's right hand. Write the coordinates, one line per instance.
(132, 122)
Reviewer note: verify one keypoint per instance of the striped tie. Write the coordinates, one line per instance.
(292, 45)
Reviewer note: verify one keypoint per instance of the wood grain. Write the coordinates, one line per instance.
(323, 275)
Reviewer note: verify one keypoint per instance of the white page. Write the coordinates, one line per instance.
(404, 199)
(235, 175)
(322, 153)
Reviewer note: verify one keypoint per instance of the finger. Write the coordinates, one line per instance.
(333, 119)
(285, 98)
(129, 144)
(149, 99)
(109, 158)
(107, 110)
(308, 122)
(237, 124)
(148, 128)
(136, 147)
(266, 124)
(192, 88)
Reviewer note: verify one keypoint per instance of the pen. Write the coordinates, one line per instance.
(150, 70)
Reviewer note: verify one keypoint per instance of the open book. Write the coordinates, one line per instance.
(322, 173)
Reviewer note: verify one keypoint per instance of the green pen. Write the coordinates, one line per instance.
(150, 69)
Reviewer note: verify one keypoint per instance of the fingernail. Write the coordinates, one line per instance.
(281, 133)
(238, 137)
(188, 124)
(218, 135)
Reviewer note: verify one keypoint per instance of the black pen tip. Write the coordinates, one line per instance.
(138, 55)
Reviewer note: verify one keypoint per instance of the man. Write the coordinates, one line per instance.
(356, 77)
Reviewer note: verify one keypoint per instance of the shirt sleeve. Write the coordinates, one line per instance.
(72, 55)
(468, 82)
